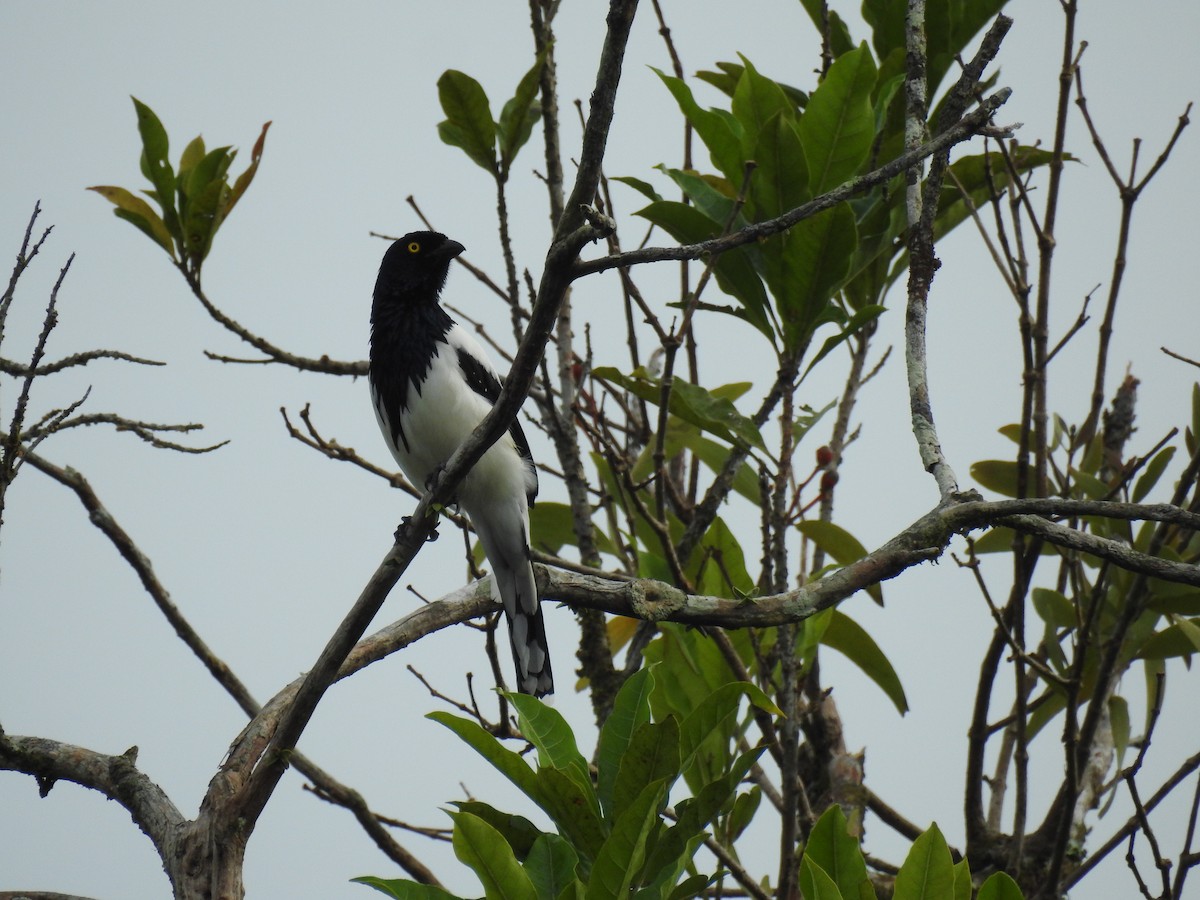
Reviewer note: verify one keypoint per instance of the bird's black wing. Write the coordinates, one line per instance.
(485, 382)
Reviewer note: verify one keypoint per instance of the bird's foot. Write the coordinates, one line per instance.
(430, 538)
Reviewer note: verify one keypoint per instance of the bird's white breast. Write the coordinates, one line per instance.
(441, 413)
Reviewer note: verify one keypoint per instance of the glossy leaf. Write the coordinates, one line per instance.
(631, 710)
(928, 871)
(780, 182)
(962, 880)
(847, 637)
(839, 35)
(692, 403)
(859, 320)
(729, 74)
(949, 25)
(545, 728)
(719, 565)
(837, 853)
(1180, 639)
(840, 545)
(720, 132)
(756, 101)
(517, 831)
(403, 889)
(519, 116)
(805, 266)
(838, 125)
(134, 209)
(735, 271)
(1054, 608)
(484, 850)
(999, 886)
(511, 765)
(468, 124)
(713, 196)
(551, 866)
(710, 726)
(156, 165)
(573, 809)
(652, 755)
(624, 851)
(999, 475)
(694, 815)
(1154, 470)
(816, 883)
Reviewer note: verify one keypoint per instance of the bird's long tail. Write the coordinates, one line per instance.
(507, 549)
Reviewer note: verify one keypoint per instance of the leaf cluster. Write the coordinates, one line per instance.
(193, 199)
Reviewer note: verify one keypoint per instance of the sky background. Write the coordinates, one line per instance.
(264, 544)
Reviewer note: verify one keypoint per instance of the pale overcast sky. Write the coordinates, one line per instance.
(264, 544)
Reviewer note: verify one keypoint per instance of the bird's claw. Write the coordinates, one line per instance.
(432, 536)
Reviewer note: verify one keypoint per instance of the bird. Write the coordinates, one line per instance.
(431, 385)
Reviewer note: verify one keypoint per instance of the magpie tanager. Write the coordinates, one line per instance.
(431, 384)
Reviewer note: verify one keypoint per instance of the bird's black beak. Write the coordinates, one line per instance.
(450, 250)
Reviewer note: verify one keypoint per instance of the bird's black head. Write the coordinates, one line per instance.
(414, 268)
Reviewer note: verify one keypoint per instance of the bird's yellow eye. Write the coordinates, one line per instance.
(414, 247)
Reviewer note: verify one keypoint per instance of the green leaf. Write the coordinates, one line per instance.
(574, 810)
(652, 755)
(859, 320)
(134, 209)
(928, 871)
(848, 638)
(836, 853)
(402, 889)
(840, 545)
(999, 475)
(511, 765)
(552, 525)
(756, 101)
(719, 565)
(519, 115)
(720, 132)
(551, 866)
(204, 196)
(468, 123)
(962, 880)
(1054, 608)
(735, 271)
(838, 125)
(545, 728)
(642, 187)
(1000, 886)
(726, 81)
(713, 196)
(805, 266)
(1154, 469)
(815, 883)
(624, 851)
(691, 887)
(683, 435)
(481, 847)
(156, 165)
(839, 35)
(192, 154)
(1118, 716)
(780, 182)
(1180, 639)
(677, 845)
(631, 710)
(692, 403)
(708, 729)
(518, 831)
